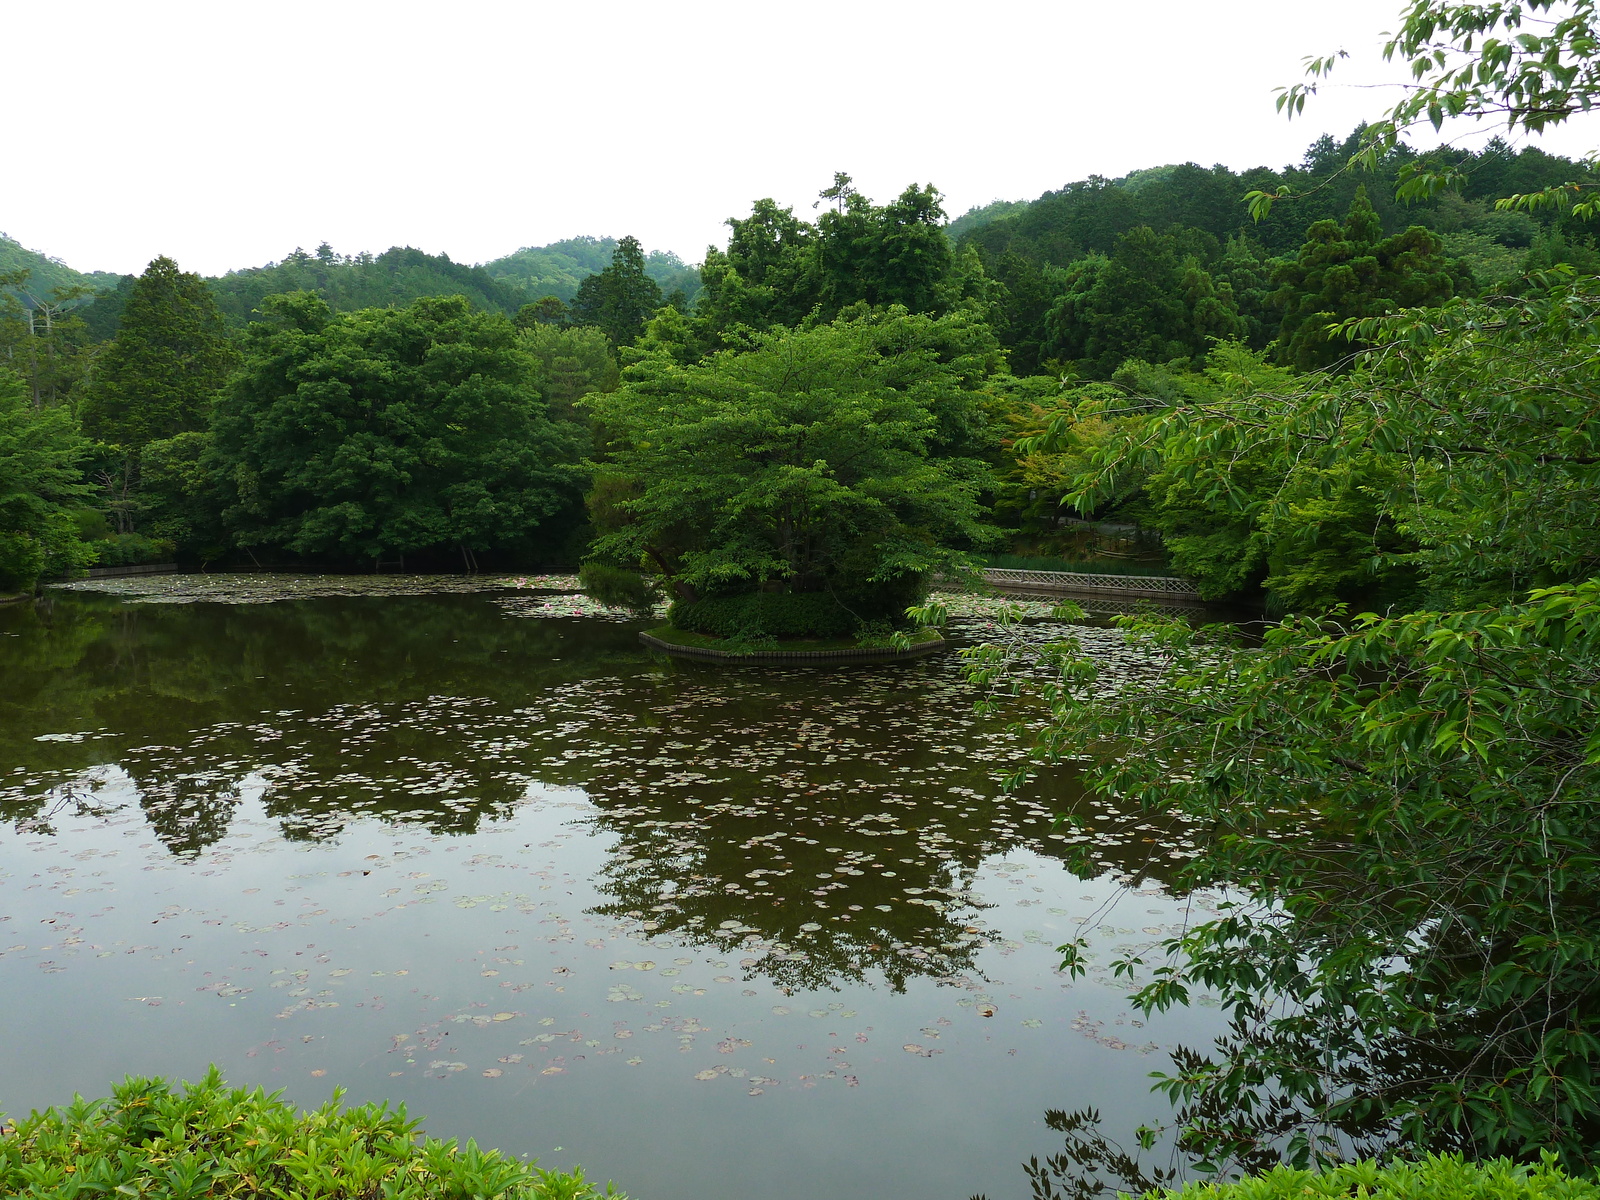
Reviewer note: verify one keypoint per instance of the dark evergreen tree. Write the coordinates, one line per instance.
(767, 275)
(103, 316)
(1350, 269)
(1146, 300)
(621, 298)
(1248, 273)
(170, 356)
(896, 254)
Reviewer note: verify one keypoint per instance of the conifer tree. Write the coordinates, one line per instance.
(1350, 269)
(168, 360)
(621, 298)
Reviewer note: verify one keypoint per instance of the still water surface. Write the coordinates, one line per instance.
(705, 931)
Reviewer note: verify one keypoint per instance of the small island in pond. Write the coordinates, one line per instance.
(683, 644)
(862, 624)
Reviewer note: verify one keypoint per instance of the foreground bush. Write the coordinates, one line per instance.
(210, 1140)
(1444, 1177)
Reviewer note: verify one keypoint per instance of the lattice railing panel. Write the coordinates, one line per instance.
(1158, 585)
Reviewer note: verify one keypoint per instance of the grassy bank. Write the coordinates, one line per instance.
(206, 1139)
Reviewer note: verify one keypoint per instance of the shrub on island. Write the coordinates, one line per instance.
(798, 614)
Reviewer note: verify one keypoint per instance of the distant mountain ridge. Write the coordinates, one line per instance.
(397, 276)
(558, 269)
(46, 274)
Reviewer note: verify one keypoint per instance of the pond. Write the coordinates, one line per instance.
(466, 845)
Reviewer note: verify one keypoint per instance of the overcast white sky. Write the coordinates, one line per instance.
(225, 134)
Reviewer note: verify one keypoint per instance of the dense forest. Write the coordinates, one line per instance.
(1156, 284)
(1360, 394)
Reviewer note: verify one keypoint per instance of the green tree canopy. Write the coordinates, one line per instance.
(778, 268)
(837, 457)
(1406, 804)
(896, 253)
(1148, 299)
(171, 354)
(570, 363)
(547, 310)
(390, 431)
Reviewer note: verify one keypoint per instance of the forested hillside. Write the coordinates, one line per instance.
(347, 282)
(397, 276)
(1052, 255)
(1159, 286)
(559, 268)
(46, 274)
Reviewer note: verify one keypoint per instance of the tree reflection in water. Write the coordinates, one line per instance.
(825, 826)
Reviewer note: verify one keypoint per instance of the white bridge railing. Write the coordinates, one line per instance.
(1072, 581)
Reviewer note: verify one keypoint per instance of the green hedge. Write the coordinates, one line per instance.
(774, 614)
(1438, 1177)
(873, 609)
(212, 1141)
(132, 549)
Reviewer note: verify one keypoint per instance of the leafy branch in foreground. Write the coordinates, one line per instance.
(1411, 806)
(1533, 64)
(208, 1140)
(1404, 808)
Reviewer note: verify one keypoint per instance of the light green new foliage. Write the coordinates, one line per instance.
(1437, 1177)
(40, 485)
(1405, 813)
(837, 456)
(1459, 459)
(209, 1140)
(1529, 64)
(1407, 805)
